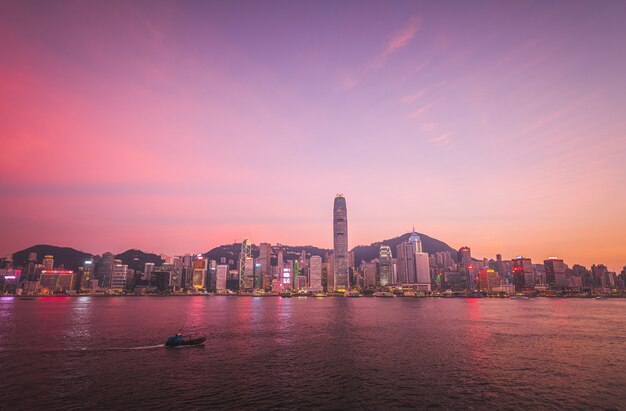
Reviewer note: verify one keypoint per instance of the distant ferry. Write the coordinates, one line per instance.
(286, 294)
(384, 294)
(319, 295)
(354, 294)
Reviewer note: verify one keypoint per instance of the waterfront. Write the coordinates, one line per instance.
(86, 352)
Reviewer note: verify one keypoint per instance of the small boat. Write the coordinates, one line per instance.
(179, 341)
(286, 294)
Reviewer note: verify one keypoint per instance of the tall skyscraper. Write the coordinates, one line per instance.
(385, 266)
(246, 266)
(340, 244)
(413, 264)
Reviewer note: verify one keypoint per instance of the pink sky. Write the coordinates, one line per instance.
(176, 127)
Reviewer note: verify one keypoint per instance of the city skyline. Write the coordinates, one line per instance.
(182, 126)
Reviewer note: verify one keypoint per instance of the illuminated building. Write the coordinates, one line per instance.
(199, 270)
(488, 280)
(465, 256)
(285, 278)
(246, 266)
(522, 271)
(105, 269)
(385, 266)
(315, 273)
(264, 272)
(330, 270)
(370, 274)
(212, 276)
(413, 264)
(554, 269)
(340, 244)
(301, 282)
(118, 276)
(54, 281)
(48, 262)
(87, 276)
(221, 272)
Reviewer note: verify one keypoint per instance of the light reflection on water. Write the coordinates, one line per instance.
(326, 353)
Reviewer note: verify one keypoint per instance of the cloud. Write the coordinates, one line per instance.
(428, 127)
(399, 40)
(442, 140)
(420, 110)
(408, 99)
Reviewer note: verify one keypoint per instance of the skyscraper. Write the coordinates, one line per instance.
(340, 244)
(385, 266)
(265, 259)
(246, 266)
(315, 273)
(555, 272)
(105, 270)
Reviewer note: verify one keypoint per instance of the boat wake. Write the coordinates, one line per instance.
(145, 347)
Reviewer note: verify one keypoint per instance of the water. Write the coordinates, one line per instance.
(107, 353)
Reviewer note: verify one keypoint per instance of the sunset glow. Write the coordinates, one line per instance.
(176, 127)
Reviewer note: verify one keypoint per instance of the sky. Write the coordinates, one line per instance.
(178, 126)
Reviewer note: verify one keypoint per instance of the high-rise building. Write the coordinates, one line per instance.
(148, 268)
(265, 259)
(555, 272)
(105, 269)
(488, 279)
(340, 244)
(87, 275)
(315, 273)
(198, 278)
(385, 266)
(118, 276)
(413, 264)
(523, 274)
(246, 266)
(221, 272)
(48, 263)
(465, 256)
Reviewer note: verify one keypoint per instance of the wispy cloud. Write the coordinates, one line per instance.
(443, 140)
(420, 110)
(428, 127)
(399, 40)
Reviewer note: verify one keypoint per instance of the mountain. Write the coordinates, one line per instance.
(429, 245)
(231, 252)
(67, 257)
(71, 259)
(136, 259)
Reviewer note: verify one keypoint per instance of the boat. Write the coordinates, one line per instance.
(286, 294)
(27, 298)
(180, 341)
(319, 295)
(518, 297)
(384, 294)
(354, 294)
